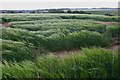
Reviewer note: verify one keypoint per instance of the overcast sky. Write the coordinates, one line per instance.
(33, 4)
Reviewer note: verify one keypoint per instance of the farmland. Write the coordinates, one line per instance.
(101, 11)
(31, 41)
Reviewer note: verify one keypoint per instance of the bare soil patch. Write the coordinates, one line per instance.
(61, 53)
(112, 13)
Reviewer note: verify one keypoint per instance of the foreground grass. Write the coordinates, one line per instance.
(91, 63)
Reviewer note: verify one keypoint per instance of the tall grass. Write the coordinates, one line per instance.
(60, 40)
(114, 29)
(25, 17)
(91, 63)
(12, 50)
(29, 17)
(57, 32)
(76, 40)
(20, 35)
(71, 25)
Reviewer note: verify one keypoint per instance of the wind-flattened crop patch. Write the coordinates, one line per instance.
(18, 51)
(58, 41)
(71, 25)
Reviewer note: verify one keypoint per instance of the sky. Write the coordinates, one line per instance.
(47, 4)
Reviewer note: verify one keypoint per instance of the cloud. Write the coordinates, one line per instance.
(44, 5)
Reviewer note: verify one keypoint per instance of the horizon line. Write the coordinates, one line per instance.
(65, 8)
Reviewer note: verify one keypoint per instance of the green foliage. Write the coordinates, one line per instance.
(59, 40)
(57, 32)
(60, 24)
(91, 63)
(20, 35)
(84, 38)
(114, 29)
(94, 17)
(14, 34)
(101, 11)
(31, 17)
(55, 11)
(25, 17)
(18, 51)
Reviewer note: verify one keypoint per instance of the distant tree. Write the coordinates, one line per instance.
(12, 11)
(82, 12)
(32, 11)
(69, 11)
(55, 11)
(2, 11)
(76, 12)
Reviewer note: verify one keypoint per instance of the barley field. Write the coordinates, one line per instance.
(31, 43)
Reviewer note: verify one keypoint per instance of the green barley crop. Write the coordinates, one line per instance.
(91, 63)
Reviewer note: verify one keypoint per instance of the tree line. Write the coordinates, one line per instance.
(48, 11)
(68, 11)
